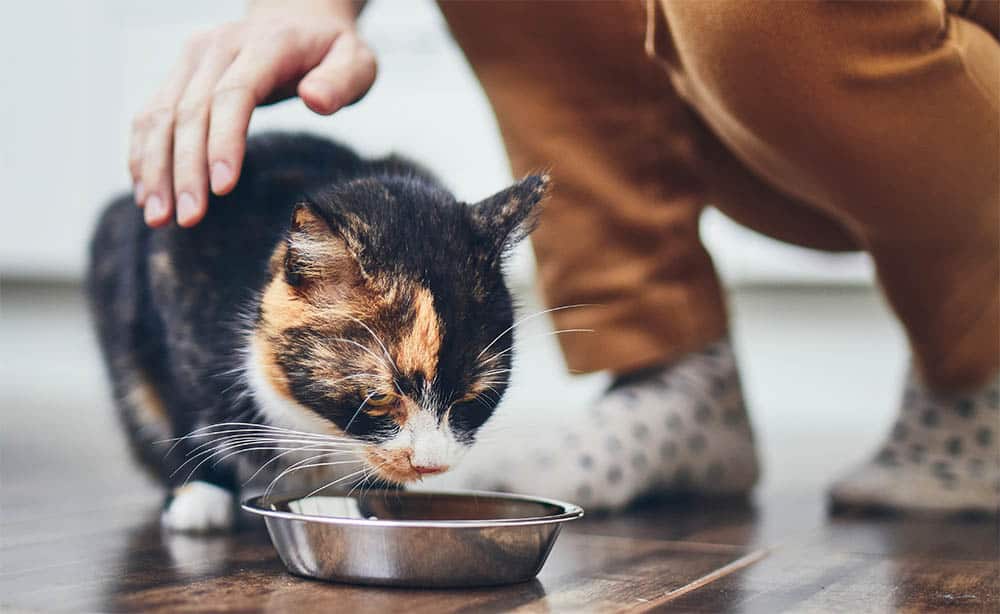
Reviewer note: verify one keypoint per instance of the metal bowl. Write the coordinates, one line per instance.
(416, 539)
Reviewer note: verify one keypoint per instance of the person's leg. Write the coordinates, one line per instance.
(574, 92)
(885, 117)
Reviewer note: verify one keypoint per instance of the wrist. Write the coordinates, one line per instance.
(345, 11)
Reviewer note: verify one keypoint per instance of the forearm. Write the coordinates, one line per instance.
(347, 10)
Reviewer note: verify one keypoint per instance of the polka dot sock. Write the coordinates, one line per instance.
(678, 428)
(943, 455)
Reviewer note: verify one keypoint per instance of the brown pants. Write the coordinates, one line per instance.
(838, 126)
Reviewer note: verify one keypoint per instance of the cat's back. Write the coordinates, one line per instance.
(278, 169)
(188, 280)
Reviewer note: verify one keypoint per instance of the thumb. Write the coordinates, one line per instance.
(343, 76)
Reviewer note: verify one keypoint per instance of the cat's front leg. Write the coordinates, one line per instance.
(200, 507)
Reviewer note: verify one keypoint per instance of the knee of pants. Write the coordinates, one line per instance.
(782, 64)
(820, 99)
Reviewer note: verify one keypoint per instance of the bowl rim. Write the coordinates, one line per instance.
(570, 511)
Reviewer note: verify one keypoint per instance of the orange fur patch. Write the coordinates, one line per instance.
(398, 411)
(321, 254)
(393, 465)
(282, 308)
(477, 389)
(147, 406)
(418, 350)
(328, 304)
(268, 365)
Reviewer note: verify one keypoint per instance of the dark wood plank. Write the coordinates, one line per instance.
(152, 571)
(866, 565)
(79, 529)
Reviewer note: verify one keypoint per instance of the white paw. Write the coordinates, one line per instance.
(199, 507)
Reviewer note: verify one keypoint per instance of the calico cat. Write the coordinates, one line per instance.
(333, 317)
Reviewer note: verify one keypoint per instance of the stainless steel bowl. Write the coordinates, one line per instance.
(423, 539)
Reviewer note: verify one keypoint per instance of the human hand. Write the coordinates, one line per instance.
(192, 134)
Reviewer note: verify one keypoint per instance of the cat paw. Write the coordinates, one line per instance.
(200, 507)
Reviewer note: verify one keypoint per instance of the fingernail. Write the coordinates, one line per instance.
(187, 208)
(221, 176)
(139, 193)
(154, 208)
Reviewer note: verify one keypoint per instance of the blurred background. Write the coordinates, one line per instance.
(822, 358)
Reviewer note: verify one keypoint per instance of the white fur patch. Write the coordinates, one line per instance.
(277, 409)
(283, 412)
(200, 507)
(432, 442)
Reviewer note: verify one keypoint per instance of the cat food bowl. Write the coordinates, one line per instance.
(416, 539)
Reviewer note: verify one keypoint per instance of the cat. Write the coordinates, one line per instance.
(333, 316)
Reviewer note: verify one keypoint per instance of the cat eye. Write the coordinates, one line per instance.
(381, 400)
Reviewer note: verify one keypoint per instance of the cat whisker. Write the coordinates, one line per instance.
(245, 427)
(267, 463)
(366, 471)
(385, 350)
(303, 464)
(489, 387)
(233, 439)
(488, 383)
(234, 371)
(328, 484)
(251, 433)
(314, 466)
(374, 376)
(360, 484)
(210, 427)
(493, 372)
(479, 399)
(237, 382)
(229, 434)
(337, 481)
(371, 470)
(363, 347)
(526, 319)
(223, 449)
(256, 447)
(227, 444)
(358, 411)
(496, 356)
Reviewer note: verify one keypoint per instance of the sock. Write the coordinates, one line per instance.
(943, 454)
(677, 428)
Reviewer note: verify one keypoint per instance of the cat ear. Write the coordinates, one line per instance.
(315, 252)
(510, 215)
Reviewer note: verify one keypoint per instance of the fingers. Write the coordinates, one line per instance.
(257, 71)
(190, 165)
(192, 137)
(152, 118)
(155, 173)
(345, 74)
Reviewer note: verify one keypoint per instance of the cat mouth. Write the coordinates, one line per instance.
(396, 466)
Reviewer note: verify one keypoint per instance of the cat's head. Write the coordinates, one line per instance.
(387, 319)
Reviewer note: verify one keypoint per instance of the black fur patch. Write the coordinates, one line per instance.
(172, 305)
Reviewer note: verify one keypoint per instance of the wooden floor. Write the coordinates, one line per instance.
(79, 531)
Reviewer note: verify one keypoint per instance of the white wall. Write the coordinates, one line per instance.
(76, 71)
